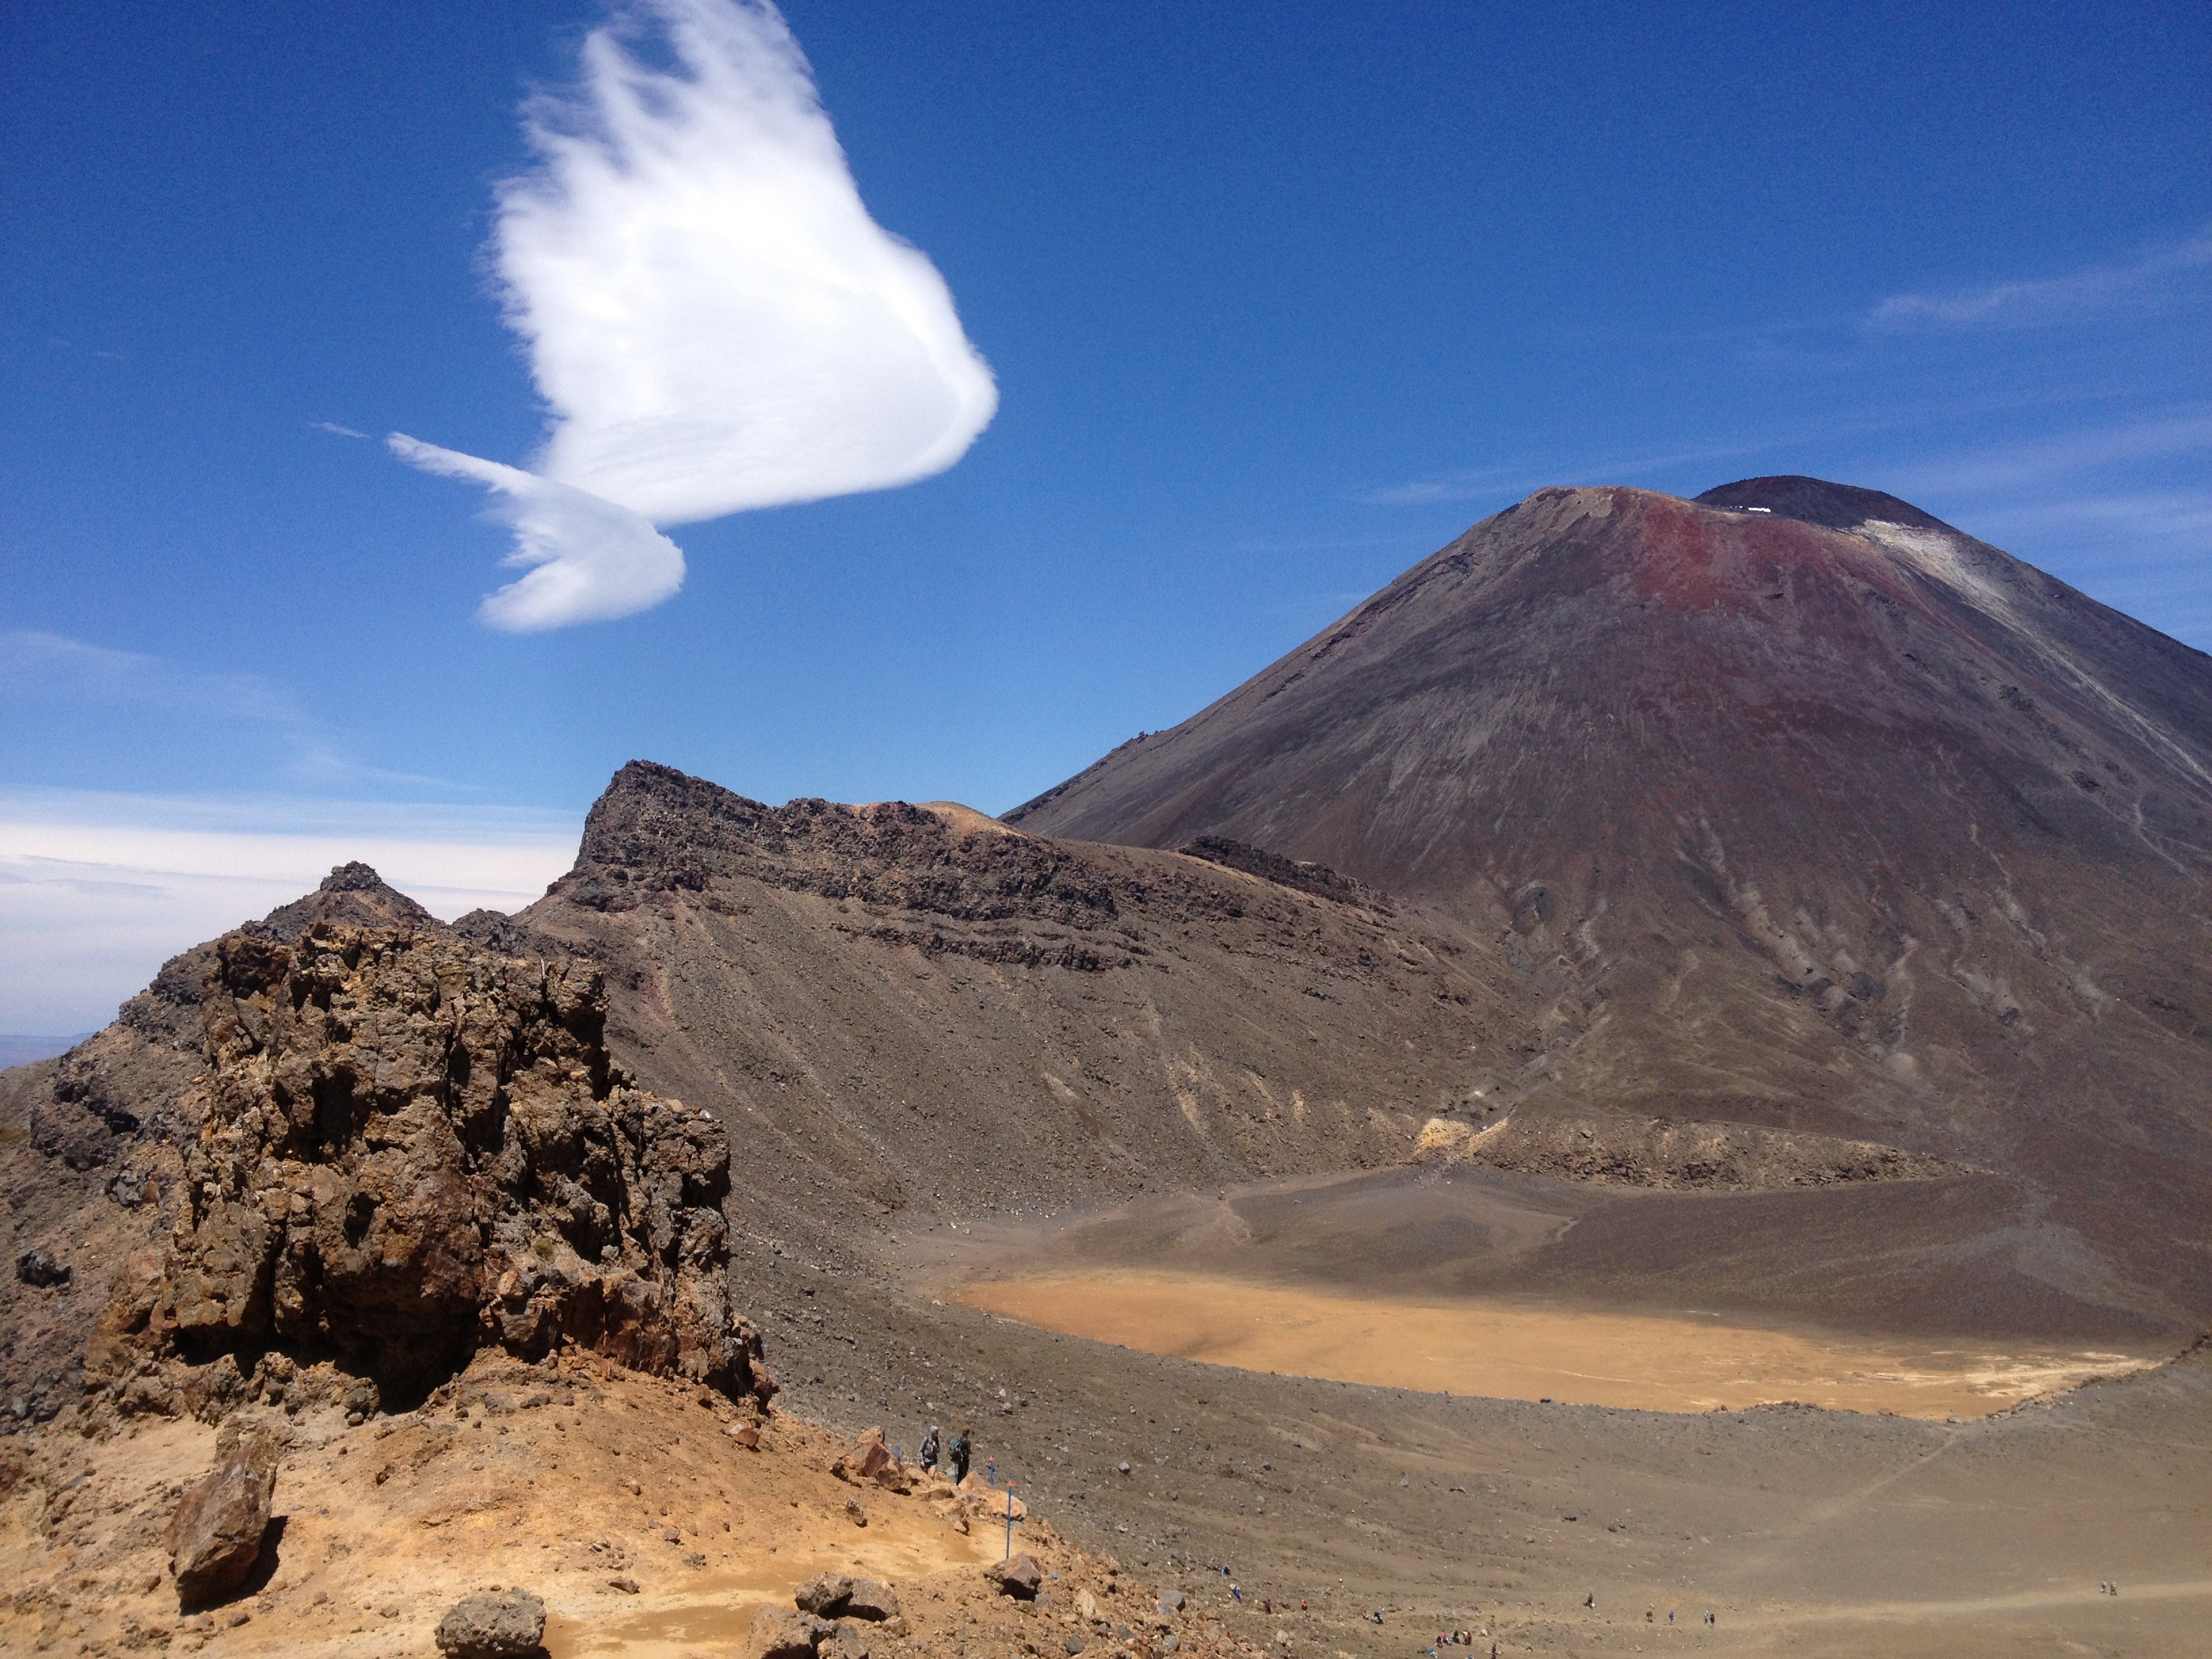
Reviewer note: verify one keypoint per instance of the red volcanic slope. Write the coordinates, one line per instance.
(1826, 815)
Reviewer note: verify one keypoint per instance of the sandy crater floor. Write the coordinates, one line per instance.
(1514, 1351)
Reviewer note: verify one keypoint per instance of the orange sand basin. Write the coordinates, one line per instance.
(1656, 1363)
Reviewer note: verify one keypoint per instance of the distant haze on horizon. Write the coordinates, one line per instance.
(1272, 303)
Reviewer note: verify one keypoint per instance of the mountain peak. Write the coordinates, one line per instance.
(352, 894)
(1815, 500)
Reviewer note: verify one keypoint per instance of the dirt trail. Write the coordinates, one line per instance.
(1521, 1352)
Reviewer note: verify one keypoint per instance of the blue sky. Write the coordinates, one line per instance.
(1277, 300)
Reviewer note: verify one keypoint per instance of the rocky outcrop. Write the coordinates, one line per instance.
(657, 830)
(1301, 875)
(216, 1535)
(399, 1145)
(1613, 1149)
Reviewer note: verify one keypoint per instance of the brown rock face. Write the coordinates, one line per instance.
(403, 1146)
(1792, 807)
(216, 1535)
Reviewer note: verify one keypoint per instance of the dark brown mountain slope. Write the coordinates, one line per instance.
(1828, 817)
(902, 1005)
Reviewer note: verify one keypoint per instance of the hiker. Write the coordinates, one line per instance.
(961, 1451)
(928, 1455)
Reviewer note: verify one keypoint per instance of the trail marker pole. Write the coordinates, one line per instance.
(1010, 1523)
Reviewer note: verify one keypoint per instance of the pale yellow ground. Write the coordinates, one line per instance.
(617, 1476)
(1679, 1364)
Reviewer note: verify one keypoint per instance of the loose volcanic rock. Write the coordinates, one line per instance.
(214, 1536)
(780, 1633)
(872, 1600)
(826, 1595)
(1020, 1577)
(493, 1626)
(37, 1269)
(403, 1146)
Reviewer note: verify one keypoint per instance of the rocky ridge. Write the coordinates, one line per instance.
(368, 1146)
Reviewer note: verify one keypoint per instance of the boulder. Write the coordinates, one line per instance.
(780, 1633)
(826, 1595)
(872, 1600)
(40, 1271)
(846, 1640)
(509, 1625)
(866, 1459)
(215, 1537)
(1020, 1577)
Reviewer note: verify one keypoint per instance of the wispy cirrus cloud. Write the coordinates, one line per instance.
(2042, 301)
(52, 669)
(2014, 466)
(52, 666)
(713, 320)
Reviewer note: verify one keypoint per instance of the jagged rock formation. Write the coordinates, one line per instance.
(1791, 807)
(383, 1146)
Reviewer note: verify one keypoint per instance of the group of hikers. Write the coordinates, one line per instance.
(958, 1453)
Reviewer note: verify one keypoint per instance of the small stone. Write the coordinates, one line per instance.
(626, 1584)
(238, 1616)
(855, 1513)
(1075, 1644)
(503, 1627)
(1171, 1603)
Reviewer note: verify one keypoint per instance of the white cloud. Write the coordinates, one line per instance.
(2047, 299)
(336, 430)
(712, 317)
(96, 892)
(589, 560)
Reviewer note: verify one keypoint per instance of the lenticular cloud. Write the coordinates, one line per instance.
(712, 316)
